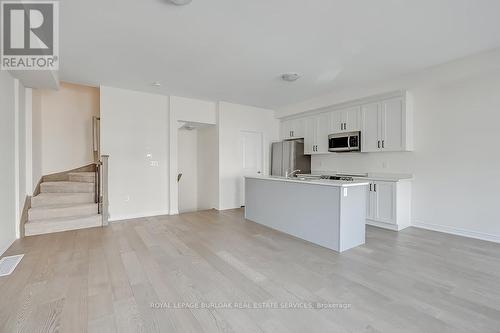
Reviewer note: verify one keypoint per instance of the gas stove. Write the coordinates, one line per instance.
(343, 178)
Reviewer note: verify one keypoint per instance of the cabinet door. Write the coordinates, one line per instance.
(336, 122)
(286, 129)
(310, 135)
(322, 132)
(298, 127)
(392, 125)
(385, 201)
(370, 127)
(351, 119)
(370, 203)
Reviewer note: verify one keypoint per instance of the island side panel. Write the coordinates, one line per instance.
(352, 216)
(306, 211)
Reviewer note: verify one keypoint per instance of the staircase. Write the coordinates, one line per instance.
(62, 205)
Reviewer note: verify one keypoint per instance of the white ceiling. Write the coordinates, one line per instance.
(236, 50)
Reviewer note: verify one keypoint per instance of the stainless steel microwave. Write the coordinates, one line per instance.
(348, 141)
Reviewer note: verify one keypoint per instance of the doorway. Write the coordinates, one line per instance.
(251, 147)
(197, 167)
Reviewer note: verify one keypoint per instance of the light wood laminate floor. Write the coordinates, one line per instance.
(106, 280)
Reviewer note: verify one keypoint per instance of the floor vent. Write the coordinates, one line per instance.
(9, 264)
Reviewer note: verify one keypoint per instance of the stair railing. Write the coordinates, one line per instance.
(101, 188)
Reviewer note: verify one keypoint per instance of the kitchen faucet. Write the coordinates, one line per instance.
(291, 173)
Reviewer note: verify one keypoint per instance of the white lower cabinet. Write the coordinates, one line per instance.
(389, 204)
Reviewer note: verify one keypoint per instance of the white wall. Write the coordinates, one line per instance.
(456, 161)
(184, 110)
(66, 127)
(188, 166)
(134, 132)
(20, 151)
(233, 118)
(208, 168)
(7, 166)
(36, 138)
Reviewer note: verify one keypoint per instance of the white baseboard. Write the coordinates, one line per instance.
(389, 226)
(5, 247)
(124, 217)
(457, 231)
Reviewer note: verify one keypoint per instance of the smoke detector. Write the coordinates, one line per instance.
(180, 2)
(290, 77)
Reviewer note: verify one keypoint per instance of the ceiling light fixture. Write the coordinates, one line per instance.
(180, 2)
(290, 77)
(156, 84)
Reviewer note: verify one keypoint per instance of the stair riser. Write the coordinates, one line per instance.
(50, 213)
(69, 199)
(82, 178)
(32, 229)
(67, 188)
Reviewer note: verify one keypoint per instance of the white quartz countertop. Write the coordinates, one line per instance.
(394, 177)
(323, 182)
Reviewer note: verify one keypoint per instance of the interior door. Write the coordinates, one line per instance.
(251, 147)
(392, 125)
(370, 131)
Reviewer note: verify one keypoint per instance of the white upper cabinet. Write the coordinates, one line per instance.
(322, 132)
(310, 136)
(293, 129)
(370, 127)
(385, 122)
(317, 130)
(392, 125)
(386, 126)
(346, 120)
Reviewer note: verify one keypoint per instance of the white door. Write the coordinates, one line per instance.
(310, 136)
(251, 158)
(385, 201)
(392, 125)
(370, 132)
(322, 132)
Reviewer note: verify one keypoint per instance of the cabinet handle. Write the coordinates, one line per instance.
(375, 187)
(345, 126)
(370, 187)
(378, 143)
(383, 144)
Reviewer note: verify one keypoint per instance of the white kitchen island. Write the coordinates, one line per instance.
(329, 213)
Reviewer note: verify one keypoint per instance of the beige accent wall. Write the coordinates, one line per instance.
(63, 124)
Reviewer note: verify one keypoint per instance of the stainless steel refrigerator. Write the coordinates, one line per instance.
(288, 156)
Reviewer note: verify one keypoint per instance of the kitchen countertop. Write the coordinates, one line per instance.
(323, 182)
(393, 177)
